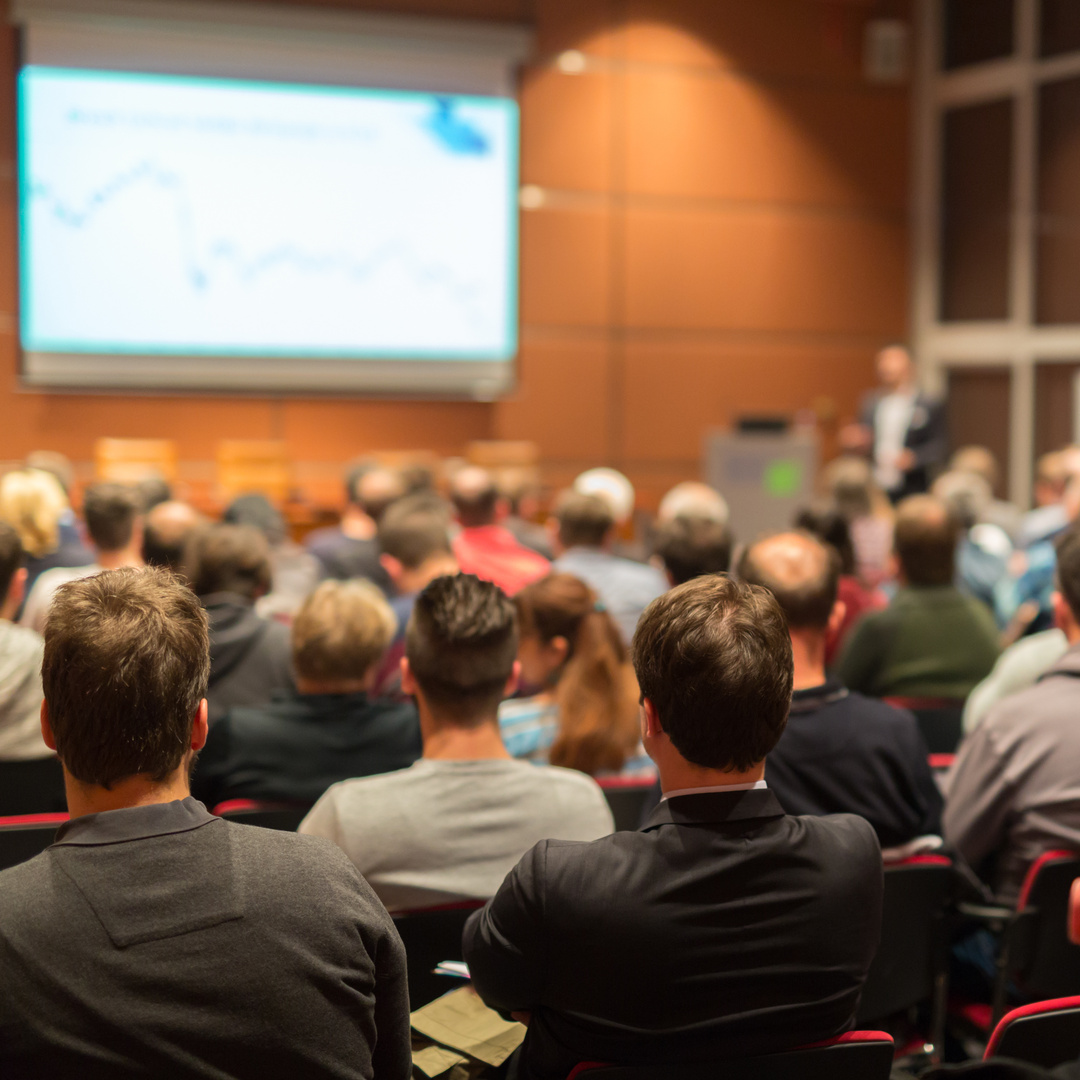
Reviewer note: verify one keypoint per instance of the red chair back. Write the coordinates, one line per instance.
(855, 1055)
(1042, 961)
(940, 720)
(22, 838)
(1045, 1033)
(627, 797)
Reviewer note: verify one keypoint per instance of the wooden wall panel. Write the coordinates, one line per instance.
(979, 413)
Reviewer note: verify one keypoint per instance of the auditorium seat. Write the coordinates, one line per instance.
(268, 815)
(430, 936)
(1045, 1033)
(855, 1055)
(32, 787)
(940, 720)
(129, 461)
(253, 466)
(911, 962)
(25, 836)
(626, 796)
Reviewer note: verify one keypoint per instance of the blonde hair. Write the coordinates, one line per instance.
(596, 692)
(341, 631)
(32, 502)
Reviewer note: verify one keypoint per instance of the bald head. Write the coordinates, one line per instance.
(165, 532)
(800, 571)
(474, 495)
(375, 489)
(925, 538)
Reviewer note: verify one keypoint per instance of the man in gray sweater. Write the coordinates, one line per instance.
(153, 939)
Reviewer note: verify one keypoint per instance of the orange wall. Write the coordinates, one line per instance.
(722, 230)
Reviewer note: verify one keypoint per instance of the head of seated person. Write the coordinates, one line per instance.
(153, 490)
(260, 513)
(414, 541)
(714, 664)
(125, 671)
(228, 559)
(803, 574)
(166, 531)
(583, 521)
(1066, 597)
(12, 572)
(339, 636)
(824, 520)
(113, 516)
(370, 490)
(33, 503)
(690, 546)
(460, 663)
(693, 499)
(925, 536)
(475, 497)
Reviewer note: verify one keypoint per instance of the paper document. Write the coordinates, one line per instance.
(463, 1022)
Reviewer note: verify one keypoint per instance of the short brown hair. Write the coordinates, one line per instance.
(413, 530)
(803, 574)
(714, 658)
(11, 557)
(127, 661)
(461, 643)
(690, 547)
(925, 537)
(110, 511)
(341, 631)
(584, 520)
(228, 559)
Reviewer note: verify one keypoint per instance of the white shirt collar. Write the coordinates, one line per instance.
(713, 790)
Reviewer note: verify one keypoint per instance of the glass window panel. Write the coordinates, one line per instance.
(1059, 30)
(1057, 264)
(977, 30)
(975, 208)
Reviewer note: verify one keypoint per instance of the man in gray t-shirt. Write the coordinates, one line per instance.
(454, 824)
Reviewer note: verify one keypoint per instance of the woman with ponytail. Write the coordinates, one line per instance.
(584, 712)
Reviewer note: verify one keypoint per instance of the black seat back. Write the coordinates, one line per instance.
(1043, 962)
(32, 787)
(1047, 1038)
(429, 938)
(20, 841)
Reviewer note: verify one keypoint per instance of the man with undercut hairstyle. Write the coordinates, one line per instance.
(841, 753)
(450, 827)
(724, 928)
(151, 938)
(484, 546)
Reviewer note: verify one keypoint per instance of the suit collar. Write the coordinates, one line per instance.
(715, 809)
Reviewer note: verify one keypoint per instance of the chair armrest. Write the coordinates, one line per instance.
(985, 912)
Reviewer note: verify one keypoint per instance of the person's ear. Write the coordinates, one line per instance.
(560, 648)
(200, 726)
(1064, 619)
(653, 727)
(392, 567)
(512, 683)
(46, 728)
(836, 618)
(15, 595)
(408, 680)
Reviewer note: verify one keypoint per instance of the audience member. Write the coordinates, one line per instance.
(982, 558)
(33, 503)
(483, 546)
(152, 939)
(981, 461)
(166, 531)
(690, 547)
(293, 749)
(228, 567)
(1014, 791)
(692, 499)
(451, 826)
(826, 522)
(583, 713)
(840, 752)
(59, 466)
(900, 427)
(350, 549)
(294, 572)
(849, 482)
(583, 540)
(519, 487)
(113, 515)
(414, 540)
(152, 491)
(1049, 518)
(724, 928)
(20, 661)
(932, 641)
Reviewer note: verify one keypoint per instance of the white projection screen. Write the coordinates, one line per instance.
(187, 221)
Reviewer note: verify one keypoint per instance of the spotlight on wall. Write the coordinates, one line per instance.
(571, 62)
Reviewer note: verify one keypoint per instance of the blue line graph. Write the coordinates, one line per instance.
(251, 219)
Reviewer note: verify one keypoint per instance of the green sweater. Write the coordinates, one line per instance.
(929, 642)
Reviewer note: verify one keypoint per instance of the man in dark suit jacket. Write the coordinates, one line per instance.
(153, 939)
(900, 427)
(841, 753)
(293, 749)
(723, 928)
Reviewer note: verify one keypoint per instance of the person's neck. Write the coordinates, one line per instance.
(445, 740)
(808, 654)
(414, 581)
(132, 791)
(116, 560)
(356, 525)
(678, 774)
